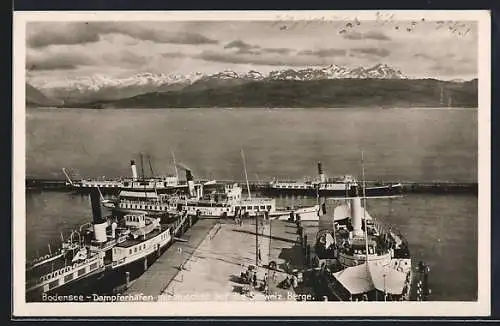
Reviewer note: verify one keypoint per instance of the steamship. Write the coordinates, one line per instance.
(104, 248)
(220, 201)
(329, 186)
(164, 184)
(361, 260)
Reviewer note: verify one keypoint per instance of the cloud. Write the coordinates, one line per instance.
(155, 34)
(246, 48)
(245, 51)
(262, 59)
(240, 45)
(173, 55)
(132, 59)
(372, 51)
(423, 56)
(371, 35)
(277, 50)
(39, 35)
(57, 61)
(42, 35)
(324, 52)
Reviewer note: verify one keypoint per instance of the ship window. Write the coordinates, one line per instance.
(249, 207)
(268, 207)
(53, 284)
(68, 278)
(262, 207)
(81, 271)
(135, 249)
(93, 266)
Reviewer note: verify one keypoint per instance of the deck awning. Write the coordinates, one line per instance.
(361, 279)
(387, 279)
(355, 279)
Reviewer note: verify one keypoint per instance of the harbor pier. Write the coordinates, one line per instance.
(210, 265)
(157, 277)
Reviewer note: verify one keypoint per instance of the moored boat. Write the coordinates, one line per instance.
(325, 186)
(106, 247)
(361, 260)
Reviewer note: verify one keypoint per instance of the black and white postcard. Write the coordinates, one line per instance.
(264, 163)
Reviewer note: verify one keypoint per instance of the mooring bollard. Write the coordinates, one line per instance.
(127, 278)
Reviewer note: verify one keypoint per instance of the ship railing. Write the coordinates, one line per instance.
(98, 246)
(59, 272)
(117, 262)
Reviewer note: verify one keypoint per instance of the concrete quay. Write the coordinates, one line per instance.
(208, 266)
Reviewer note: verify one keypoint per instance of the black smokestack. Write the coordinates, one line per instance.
(95, 200)
(320, 169)
(189, 175)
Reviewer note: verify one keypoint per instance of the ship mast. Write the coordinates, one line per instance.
(143, 177)
(175, 166)
(246, 175)
(151, 167)
(364, 205)
(152, 174)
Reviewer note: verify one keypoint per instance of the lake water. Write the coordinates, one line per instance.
(399, 144)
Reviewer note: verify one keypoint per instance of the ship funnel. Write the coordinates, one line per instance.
(99, 222)
(134, 170)
(356, 211)
(322, 177)
(95, 200)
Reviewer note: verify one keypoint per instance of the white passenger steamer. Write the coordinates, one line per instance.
(107, 245)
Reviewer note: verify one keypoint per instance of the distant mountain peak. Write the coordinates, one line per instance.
(100, 87)
(378, 71)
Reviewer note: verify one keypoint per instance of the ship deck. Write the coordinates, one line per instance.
(131, 242)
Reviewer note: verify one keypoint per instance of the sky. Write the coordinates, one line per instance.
(420, 49)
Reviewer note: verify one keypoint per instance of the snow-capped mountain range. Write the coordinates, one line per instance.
(99, 87)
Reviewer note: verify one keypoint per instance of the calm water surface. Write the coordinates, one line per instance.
(399, 144)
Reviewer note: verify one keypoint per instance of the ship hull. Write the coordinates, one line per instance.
(389, 190)
(103, 282)
(115, 190)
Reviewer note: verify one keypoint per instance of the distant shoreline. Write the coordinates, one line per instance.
(260, 108)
